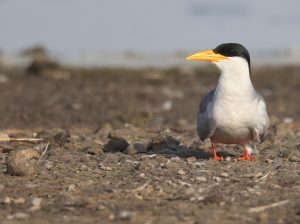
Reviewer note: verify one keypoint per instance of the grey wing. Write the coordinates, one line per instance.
(262, 130)
(205, 124)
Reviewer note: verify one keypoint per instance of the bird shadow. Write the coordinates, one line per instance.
(187, 152)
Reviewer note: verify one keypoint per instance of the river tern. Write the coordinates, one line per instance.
(234, 112)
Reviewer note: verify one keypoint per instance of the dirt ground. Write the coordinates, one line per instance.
(123, 148)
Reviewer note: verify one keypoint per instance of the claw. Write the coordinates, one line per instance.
(246, 156)
(218, 158)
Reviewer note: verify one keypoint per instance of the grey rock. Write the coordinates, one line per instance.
(116, 145)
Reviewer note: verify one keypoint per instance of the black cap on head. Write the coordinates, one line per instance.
(233, 50)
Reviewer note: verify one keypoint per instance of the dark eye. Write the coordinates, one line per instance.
(231, 52)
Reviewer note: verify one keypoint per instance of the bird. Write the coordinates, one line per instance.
(233, 112)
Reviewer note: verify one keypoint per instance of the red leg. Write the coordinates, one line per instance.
(218, 158)
(246, 156)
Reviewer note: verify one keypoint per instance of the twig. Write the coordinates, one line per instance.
(149, 156)
(265, 176)
(140, 188)
(45, 150)
(21, 139)
(262, 208)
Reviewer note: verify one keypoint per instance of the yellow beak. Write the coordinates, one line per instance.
(208, 55)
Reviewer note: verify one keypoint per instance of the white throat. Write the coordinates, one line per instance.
(235, 78)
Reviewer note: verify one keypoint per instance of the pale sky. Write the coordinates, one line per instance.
(156, 26)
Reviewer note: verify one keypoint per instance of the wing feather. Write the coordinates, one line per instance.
(205, 124)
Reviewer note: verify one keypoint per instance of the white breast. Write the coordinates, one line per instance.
(234, 108)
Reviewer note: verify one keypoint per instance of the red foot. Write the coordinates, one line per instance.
(246, 156)
(218, 158)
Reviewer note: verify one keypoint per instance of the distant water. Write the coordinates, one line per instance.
(92, 27)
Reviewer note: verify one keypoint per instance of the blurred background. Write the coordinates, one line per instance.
(155, 33)
(85, 63)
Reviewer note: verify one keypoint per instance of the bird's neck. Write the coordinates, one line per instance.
(235, 78)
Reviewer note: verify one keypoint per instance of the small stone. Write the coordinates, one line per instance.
(217, 179)
(224, 174)
(294, 159)
(116, 144)
(22, 162)
(36, 204)
(142, 175)
(167, 105)
(94, 151)
(258, 175)
(19, 201)
(228, 158)
(7, 200)
(181, 172)
(71, 187)
(222, 203)
(201, 179)
(83, 168)
(106, 168)
(125, 215)
(48, 165)
(18, 215)
(21, 215)
(111, 217)
(288, 120)
(191, 159)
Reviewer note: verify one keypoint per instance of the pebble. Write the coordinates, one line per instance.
(191, 159)
(167, 105)
(19, 201)
(181, 172)
(48, 165)
(36, 204)
(116, 144)
(71, 187)
(107, 168)
(224, 174)
(111, 217)
(142, 175)
(18, 215)
(7, 200)
(294, 159)
(217, 179)
(228, 158)
(288, 120)
(94, 151)
(83, 168)
(201, 179)
(125, 215)
(22, 162)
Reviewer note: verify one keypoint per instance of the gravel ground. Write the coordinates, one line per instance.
(120, 146)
